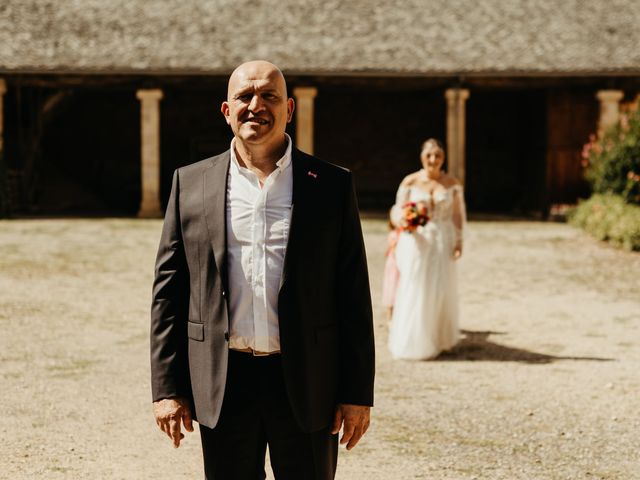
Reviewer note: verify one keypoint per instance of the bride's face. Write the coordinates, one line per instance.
(432, 157)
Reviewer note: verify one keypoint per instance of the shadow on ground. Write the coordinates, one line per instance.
(476, 346)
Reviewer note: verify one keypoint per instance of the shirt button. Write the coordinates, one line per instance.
(224, 293)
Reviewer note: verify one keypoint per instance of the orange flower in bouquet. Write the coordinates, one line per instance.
(415, 216)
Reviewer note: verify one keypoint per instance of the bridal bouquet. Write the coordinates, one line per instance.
(415, 216)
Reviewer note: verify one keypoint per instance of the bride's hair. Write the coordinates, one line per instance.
(435, 141)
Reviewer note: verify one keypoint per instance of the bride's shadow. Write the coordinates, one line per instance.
(475, 346)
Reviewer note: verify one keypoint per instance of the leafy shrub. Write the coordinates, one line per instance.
(608, 217)
(612, 162)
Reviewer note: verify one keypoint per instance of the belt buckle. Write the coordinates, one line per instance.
(259, 354)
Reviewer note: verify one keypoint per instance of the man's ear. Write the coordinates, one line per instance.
(224, 108)
(291, 106)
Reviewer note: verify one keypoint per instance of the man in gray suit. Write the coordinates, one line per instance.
(261, 323)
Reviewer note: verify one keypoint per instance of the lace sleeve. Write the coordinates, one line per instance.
(402, 197)
(459, 213)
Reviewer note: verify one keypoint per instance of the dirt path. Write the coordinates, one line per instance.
(544, 386)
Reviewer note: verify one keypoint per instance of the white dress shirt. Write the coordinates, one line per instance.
(257, 232)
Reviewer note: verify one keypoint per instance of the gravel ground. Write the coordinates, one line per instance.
(544, 384)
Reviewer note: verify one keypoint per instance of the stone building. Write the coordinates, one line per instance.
(102, 99)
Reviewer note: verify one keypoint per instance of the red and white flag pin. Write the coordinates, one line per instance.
(312, 174)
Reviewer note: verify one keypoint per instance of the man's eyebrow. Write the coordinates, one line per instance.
(242, 91)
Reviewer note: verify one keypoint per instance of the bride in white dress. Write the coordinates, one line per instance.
(425, 313)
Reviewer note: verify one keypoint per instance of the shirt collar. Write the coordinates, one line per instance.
(282, 163)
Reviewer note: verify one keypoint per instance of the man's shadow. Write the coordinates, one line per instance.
(475, 346)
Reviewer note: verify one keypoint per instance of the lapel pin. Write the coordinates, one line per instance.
(312, 174)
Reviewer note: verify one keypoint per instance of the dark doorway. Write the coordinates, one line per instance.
(192, 128)
(377, 134)
(506, 148)
(89, 154)
(572, 117)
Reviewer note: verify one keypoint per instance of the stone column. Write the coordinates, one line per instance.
(304, 117)
(609, 108)
(456, 98)
(150, 151)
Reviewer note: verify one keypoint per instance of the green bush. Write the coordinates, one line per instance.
(608, 217)
(613, 161)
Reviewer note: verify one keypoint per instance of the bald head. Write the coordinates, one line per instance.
(257, 107)
(257, 70)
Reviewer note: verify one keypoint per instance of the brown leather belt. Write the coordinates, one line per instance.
(255, 353)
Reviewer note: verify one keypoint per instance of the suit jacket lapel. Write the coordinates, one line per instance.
(214, 184)
(299, 202)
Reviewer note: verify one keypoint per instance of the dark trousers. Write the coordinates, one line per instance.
(256, 413)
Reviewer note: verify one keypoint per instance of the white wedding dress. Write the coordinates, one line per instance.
(425, 313)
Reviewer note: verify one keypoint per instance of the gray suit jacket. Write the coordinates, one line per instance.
(324, 304)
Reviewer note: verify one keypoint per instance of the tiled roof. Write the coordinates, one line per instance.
(406, 37)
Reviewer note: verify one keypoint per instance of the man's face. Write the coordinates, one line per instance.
(257, 107)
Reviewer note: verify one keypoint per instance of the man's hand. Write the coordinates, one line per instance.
(169, 412)
(356, 423)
